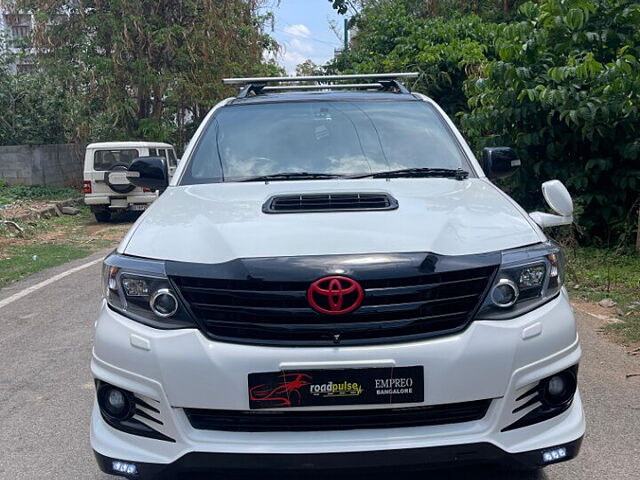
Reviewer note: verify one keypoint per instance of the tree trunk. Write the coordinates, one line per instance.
(638, 232)
(430, 8)
(158, 104)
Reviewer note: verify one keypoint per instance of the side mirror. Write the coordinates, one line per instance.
(559, 200)
(499, 162)
(149, 172)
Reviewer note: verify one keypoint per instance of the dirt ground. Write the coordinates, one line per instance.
(33, 244)
(22, 208)
(80, 229)
(606, 316)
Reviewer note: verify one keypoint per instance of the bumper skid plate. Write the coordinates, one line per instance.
(410, 459)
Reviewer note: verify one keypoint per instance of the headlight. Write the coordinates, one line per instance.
(140, 290)
(528, 277)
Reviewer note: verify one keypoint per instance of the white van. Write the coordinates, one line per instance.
(106, 187)
(332, 281)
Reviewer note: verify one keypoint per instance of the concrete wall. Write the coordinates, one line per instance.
(56, 165)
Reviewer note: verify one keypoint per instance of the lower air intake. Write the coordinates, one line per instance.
(301, 421)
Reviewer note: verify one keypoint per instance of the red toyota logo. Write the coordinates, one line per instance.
(335, 295)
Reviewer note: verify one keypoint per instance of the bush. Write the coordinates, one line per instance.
(565, 91)
(10, 194)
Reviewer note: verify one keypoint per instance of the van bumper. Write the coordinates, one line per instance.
(119, 202)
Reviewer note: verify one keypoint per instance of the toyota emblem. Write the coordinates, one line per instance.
(335, 295)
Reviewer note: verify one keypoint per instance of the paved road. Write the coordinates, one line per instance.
(46, 391)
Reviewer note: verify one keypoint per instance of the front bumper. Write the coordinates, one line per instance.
(178, 369)
(452, 456)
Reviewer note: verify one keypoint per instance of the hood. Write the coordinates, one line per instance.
(215, 223)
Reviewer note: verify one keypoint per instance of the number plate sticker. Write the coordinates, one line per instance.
(352, 386)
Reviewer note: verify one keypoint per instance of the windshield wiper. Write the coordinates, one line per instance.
(292, 176)
(458, 173)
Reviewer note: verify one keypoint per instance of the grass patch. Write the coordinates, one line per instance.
(600, 274)
(52, 241)
(25, 260)
(33, 227)
(14, 193)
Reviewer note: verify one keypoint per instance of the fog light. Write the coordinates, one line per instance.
(559, 389)
(124, 467)
(556, 386)
(164, 303)
(505, 293)
(554, 455)
(115, 403)
(116, 400)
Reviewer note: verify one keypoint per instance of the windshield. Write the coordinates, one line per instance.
(334, 138)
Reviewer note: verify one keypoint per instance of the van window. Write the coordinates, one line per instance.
(166, 153)
(172, 157)
(107, 159)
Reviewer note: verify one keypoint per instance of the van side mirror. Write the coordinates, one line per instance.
(149, 172)
(499, 162)
(559, 200)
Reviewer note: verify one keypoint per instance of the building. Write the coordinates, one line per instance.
(15, 39)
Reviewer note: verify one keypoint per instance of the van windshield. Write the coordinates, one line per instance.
(341, 138)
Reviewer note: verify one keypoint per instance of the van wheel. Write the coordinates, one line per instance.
(103, 216)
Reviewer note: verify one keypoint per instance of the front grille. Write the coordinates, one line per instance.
(278, 313)
(322, 202)
(305, 421)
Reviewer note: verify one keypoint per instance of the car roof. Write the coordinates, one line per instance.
(320, 96)
(130, 144)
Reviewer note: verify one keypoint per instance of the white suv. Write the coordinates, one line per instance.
(331, 281)
(106, 186)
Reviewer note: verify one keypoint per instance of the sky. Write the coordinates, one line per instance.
(302, 29)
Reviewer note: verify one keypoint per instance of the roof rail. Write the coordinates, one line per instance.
(380, 81)
(319, 78)
(339, 86)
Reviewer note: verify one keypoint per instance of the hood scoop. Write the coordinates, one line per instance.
(329, 202)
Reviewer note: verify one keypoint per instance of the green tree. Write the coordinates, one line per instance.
(308, 68)
(347, 6)
(30, 106)
(445, 51)
(146, 68)
(495, 10)
(565, 91)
